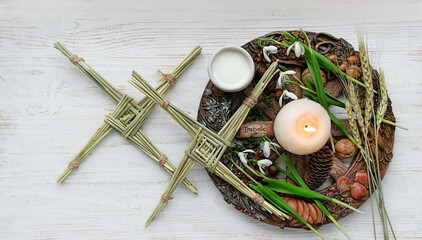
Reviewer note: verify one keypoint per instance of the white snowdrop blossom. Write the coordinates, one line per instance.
(282, 76)
(267, 51)
(286, 95)
(243, 156)
(299, 49)
(262, 164)
(265, 146)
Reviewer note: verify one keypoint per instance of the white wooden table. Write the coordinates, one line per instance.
(49, 109)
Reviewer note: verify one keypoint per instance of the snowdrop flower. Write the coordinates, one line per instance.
(243, 156)
(262, 164)
(299, 49)
(269, 50)
(286, 94)
(282, 76)
(265, 146)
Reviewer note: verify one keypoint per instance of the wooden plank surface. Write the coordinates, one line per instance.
(49, 109)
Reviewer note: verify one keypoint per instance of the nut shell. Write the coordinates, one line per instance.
(307, 74)
(345, 149)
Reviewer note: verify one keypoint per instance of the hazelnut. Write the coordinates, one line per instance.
(343, 184)
(308, 75)
(343, 67)
(362, 177)
(353, 71)
(272, 170)
(352, 59)
(357, 190)
(345, 149)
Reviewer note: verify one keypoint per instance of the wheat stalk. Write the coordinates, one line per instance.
(382, 108)
(367, 80)
(352, 123)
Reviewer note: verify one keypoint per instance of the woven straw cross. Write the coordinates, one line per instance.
(129, 115)
(208, 147)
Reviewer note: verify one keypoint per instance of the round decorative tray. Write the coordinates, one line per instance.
(327, 174)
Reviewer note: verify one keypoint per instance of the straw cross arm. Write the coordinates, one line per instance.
(207, 147)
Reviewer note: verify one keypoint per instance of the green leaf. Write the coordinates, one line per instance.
(292, 168)
(285, 172)
(317, 80)
(308, 84)
(341, 126)
(277, 201)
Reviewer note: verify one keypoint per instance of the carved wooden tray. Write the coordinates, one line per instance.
(216, 108)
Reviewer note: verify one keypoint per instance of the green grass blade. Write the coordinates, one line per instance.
(341, 126)
(287, 188)
(287, 173)
(277, 201)
(328, 214)
(292, 168)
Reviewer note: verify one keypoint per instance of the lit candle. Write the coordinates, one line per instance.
(302, 127)
(231, 69)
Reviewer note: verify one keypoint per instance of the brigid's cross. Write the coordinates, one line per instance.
(208, 147)
(128, 116)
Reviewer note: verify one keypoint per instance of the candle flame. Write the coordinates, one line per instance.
(309, 128)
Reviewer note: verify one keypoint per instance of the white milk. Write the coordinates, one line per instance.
(231, 67)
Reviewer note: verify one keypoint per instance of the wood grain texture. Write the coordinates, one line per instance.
(49, 109)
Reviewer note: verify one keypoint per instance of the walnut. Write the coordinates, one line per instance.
(333, 87)
(308, 75)
(345, 149)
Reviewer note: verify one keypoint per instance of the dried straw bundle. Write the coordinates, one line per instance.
(128, 116)
(208, 147)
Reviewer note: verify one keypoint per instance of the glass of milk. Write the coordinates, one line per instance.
(231, 69)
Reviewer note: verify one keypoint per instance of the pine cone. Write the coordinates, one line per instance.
(318, 167)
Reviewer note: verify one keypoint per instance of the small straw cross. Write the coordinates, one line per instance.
(129, 115)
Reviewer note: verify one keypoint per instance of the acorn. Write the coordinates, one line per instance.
(352, 59)
(353, 71)
(345, 149)
(308, 75)
(357, 190)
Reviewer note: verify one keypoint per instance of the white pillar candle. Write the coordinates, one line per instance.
(231, 69)
(302, 127)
